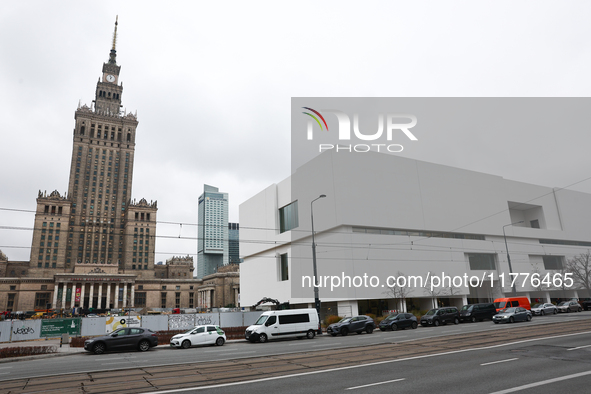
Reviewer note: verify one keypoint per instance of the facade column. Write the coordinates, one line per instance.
(548, 297)
(91, 295)
(100, 296)
(464, 300)
(116, 300)
(83, 285)
(55, 295)
(200, 298)
(208, 299)
(65, 287)
(124, 295)
(528, 296)
(132, 297)
(108, 295)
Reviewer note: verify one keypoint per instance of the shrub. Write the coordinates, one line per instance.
(378, 319)
(332, 319)
(26, 351)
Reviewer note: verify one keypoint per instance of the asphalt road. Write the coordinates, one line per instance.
(541, 366)
(459, 370)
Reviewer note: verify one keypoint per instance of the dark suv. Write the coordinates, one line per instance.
(356, 324)
(477, 312)
(397, 321)
(444, 315)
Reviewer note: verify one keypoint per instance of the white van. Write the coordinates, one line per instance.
(288, 323)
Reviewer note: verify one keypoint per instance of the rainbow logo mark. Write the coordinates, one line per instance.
(315, 118)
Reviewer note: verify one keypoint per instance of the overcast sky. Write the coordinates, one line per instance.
(212, 83)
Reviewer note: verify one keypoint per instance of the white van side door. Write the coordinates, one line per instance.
(272, 326)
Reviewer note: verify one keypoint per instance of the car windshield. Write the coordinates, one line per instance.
(346, 319)
(392, 316)
(466, 307)
(119, 331)
(537, 305)
(564, 303)
(508, 310)
(261, 320)
(189, 331)
(431, 312)
(500, 305)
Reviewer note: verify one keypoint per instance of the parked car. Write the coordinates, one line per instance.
(544, 309)
(437, 316)
(585, 304)
(569, 306)
(356, 324)
(287, 323)
(395, 321)
(512, 302)
(141, 339)
(477, 312)
(511, 315)
(200, 335)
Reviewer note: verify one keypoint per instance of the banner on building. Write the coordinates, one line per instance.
(78, 290)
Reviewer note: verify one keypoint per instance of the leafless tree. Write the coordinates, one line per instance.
(535, 269)
(432, 292)
(398, 293)
(580, 268)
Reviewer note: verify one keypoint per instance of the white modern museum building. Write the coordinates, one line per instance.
(385, 215)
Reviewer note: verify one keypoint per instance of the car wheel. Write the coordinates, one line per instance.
(369, 329)
(555, 311)
(542, 313)
(436, 323)
(344, 331)
(333, 334)
(99, 348)
(186, 344)
(394, 327)
(220, 341)
(473, 320)
(310, 334)
(528, 318)
(568, 310)
(456, 321)
(144, 346)
(511, 320)
(414, 325)
(580, 310)
(263, 338)
(496, 322)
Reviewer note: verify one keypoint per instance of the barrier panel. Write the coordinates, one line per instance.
(115, 322)
(56, 327)
(93, 326)
(25, 330)
(5, 327)
(155, 323)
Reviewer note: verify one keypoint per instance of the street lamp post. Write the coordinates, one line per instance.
(509, 258)
(316, 299)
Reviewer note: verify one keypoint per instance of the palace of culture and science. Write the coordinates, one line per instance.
(94, 246)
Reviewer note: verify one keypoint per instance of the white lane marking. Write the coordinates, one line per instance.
(579, 347)
(328, 344)
(5, 367)
(297, 344)
(215, 351)
(363, 365)
(116, 358)
(4, 373)
(374, 384)
(500, 361)
(543, 382)
(119, 362)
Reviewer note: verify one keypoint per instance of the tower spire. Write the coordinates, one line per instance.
(113, 55)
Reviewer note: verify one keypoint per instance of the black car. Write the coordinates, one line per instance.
(356, 324)
(477, 312)
(141, 339)
(437, 316)
(397, 321)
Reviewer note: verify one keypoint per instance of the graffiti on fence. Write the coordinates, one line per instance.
(24, 331)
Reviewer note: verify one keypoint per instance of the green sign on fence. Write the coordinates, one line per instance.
(57, 327)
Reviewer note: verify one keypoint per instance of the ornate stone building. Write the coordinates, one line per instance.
(93, 247)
